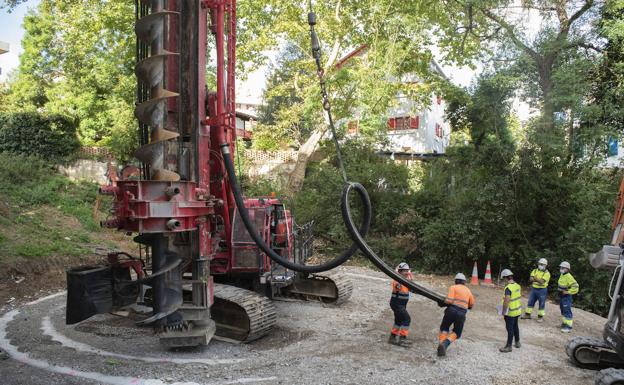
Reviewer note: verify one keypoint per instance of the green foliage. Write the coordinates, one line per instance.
(78, 61)
(387, 184)
(51, 137)
(44, 214)
(31, 182)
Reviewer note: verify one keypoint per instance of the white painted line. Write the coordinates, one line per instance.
(368, 277)
(43, 299)
(249, 380)
(14, 353)
(48, 329)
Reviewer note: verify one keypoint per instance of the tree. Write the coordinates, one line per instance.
(495, 22)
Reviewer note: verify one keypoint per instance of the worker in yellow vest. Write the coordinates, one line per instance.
(539, 290)
(567, 287)
(511, 310)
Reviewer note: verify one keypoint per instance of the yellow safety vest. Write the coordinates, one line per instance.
(568, 283)
(545, 275)
(515, 306)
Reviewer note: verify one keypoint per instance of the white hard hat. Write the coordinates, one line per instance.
(403, 266)
(506, 273)
(460, 276)
(542, 261)
(565, 264)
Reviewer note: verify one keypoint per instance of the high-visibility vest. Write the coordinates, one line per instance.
(400, 291)
(460, 296)
(568, 283)
(514, 306)
(545, 275)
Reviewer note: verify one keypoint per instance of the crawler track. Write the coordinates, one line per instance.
(242, 315)
(592, 353)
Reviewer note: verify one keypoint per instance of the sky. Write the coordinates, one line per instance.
(11, 32)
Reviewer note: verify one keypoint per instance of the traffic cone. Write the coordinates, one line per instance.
(475, 275)
(488, 276)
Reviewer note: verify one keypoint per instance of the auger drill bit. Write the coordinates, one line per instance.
(151, 71)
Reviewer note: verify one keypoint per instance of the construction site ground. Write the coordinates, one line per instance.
(313, 343)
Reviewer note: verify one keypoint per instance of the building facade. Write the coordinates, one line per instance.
(415, 130)
(4, 48)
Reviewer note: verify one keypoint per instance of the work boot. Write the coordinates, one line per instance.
(441, 350)
(540, 319)
(403, 341)
(566, 329)
(518, 344)
(505, 349)
(525, 316)
(394, 339)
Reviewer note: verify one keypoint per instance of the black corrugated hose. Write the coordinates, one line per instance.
(356, 235)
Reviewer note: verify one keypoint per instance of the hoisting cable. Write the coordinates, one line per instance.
(349, 186)
(356, 234)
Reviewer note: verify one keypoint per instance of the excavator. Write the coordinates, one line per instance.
(211, 260)
(607, 354)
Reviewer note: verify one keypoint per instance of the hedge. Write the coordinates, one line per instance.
(50, 137)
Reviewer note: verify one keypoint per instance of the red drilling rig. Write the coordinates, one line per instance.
(206, 273)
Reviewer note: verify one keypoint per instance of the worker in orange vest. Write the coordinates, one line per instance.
(459, 300)
(398, 304)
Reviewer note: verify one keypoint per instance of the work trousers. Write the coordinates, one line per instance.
(402, 318)
(534, 296)
(456, 317)
(513, 331)
(565, 304)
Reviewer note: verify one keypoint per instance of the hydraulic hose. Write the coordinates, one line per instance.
(372, 256)
(253, 232)
(356, 235)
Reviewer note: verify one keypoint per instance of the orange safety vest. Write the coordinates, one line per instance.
(460, 296)
(399, 291)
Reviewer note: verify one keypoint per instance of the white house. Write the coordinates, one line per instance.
(4, 48)
(415, 131)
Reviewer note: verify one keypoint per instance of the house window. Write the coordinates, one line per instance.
(353, 127)
(612, 146)
(404, 123)
(438, 130)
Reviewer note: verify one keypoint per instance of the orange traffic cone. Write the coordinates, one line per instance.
(488, 276)
(475, 275)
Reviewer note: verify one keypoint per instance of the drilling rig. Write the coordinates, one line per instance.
(206, 274)
(215, 258)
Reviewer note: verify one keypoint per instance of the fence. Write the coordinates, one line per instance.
(262, 157)
(95, 153)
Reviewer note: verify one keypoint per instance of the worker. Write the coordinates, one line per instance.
(398, 304)
(539, 279)
(460, 300)
(567, 288)
(511, 310)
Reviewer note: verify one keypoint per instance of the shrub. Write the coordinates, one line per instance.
(50, 137)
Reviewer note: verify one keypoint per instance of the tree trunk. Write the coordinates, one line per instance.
(547, 120)
(296, 177)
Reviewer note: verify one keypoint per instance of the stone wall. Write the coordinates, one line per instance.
(273, 165)
(86, 169)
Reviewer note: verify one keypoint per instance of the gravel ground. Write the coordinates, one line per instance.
(311, 344)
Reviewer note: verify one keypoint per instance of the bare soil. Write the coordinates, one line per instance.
(312, 343)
